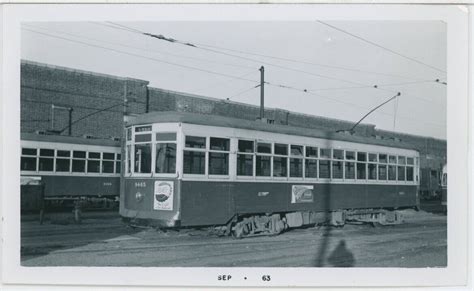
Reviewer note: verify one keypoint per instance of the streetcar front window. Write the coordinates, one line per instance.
(165, 158)
(142, 158)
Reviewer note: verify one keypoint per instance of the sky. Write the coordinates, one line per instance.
(325, 68)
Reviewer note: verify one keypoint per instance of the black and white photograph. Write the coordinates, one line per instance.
(314, 143)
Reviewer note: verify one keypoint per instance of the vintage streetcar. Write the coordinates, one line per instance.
(69, 169)
(251, 177)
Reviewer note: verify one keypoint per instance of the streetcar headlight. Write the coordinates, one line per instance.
(139, 196)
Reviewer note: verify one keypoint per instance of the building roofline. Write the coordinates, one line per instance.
(68, 69)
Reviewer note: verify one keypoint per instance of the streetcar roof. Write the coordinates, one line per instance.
(69, 139)
(223, 121)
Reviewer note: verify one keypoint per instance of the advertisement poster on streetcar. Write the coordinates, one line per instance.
(163, 195)
(302, 193)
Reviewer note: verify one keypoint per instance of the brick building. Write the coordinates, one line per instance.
(98, 99)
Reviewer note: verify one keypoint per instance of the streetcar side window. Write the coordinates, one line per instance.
(263, 159)
(93, 162)
(108, 162)
(296, 161)
(349, 170)
(245, 158)
(28, 159)
(410, 175)
(311, 162)
(46, 160)
(194, 159)
(401, 173)
(219, 156)
(372, 171)
(392, 172)
(63, 160)
(337, 169)
(382, 172)
(361, 166)
(280, 161)
(78, 161)
(165, 153)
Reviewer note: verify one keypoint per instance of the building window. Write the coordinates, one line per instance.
(78, 161)
(46, 160)
(219, 156)
(63, 161)
(28, 159)
(194, 159)
(245, 158)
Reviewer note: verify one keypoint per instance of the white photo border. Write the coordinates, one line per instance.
(455, 274)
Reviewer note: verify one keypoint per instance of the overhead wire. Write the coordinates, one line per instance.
(140, 56)
(172, 40)
(287, 59)
(243, 92)
(361, 85)
(192, 68)
(382, 47)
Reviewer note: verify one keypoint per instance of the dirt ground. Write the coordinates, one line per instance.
(102, 240)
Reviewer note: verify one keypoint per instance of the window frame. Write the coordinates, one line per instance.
(209, 151)
(153, 155)
(254, 158)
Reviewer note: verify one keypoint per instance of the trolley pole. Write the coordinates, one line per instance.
(262, 98)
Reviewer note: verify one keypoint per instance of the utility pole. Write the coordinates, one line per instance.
(125, 98)
(262, 98)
